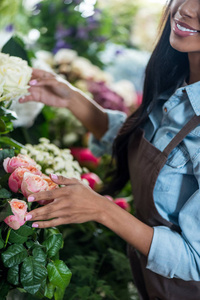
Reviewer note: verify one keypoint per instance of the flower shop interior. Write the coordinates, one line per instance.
(102, 48)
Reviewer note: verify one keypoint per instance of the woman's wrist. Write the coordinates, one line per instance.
(89, 113)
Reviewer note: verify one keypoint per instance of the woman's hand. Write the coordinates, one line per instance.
(49, 89)
(53, 90)
(73, 203)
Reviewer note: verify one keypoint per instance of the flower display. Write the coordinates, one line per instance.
(19, 209)
(20, 244)
(15, 75)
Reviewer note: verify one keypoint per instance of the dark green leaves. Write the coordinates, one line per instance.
(59, 274)
(32, 266)
(21, 235)
(53, 244)
(32, 275)
(1, 241)
(14, 255)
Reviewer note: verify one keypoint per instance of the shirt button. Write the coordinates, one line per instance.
(165, 109)
(184, 91)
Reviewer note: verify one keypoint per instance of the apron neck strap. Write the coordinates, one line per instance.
(182, 134)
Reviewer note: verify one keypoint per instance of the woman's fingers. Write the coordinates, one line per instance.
(50, 223)
(56, 193)
(38, 73)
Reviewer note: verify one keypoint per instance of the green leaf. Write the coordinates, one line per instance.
(49, 290)
(59, 293)
(59, 274)
(15, 47)
(13, 275)
(10, 114)
(4, 288)
(32, 275)
(4, 153)
(10, 142)
(1, 241)
(2, 126)
(53, 244)
(5, 211)
(5, 193)
(14, 255)
(21, 235)
(39, 255)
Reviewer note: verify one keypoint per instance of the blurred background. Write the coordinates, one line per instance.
(101, 47)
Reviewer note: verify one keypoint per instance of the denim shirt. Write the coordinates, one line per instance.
(176, 193)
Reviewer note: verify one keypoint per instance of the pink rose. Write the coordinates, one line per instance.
(15, 179)
(93, 179)
(19, 209)
(85, 157)
(51, 186)
(122, 203)
(33, 184)
(10, 164)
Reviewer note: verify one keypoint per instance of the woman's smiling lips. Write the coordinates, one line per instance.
(183, 30)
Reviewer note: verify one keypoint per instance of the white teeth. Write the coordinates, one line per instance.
(185, 29)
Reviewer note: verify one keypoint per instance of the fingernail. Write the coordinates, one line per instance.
(31, 199)
(34, 225)
(33, 82)
(28, 217)
(54, 176)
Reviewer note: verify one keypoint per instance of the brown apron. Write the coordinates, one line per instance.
(145, 163)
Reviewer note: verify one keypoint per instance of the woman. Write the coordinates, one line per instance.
(158, 148)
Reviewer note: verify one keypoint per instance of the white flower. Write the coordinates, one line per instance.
(16, 74)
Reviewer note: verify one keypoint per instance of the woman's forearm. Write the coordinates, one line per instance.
(89, 113)
(129, 228)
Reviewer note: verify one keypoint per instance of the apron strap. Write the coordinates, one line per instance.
(182, 134)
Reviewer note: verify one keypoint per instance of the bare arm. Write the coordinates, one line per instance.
(53, 90)
(77, 203)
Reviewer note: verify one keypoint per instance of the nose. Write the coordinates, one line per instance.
(189, 8)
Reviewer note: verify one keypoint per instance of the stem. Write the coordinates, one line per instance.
(7, 237)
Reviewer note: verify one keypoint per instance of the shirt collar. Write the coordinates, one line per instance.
(193, 92)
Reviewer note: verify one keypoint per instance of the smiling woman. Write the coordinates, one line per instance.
(157, 148)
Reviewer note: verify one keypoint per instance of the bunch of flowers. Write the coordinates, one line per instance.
(29, 257)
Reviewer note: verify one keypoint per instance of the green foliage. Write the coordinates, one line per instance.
(98, 261)
(28, 263)
(6, 117)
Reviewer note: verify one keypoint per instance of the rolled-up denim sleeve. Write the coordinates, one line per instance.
(177, 255)
(104, 145)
